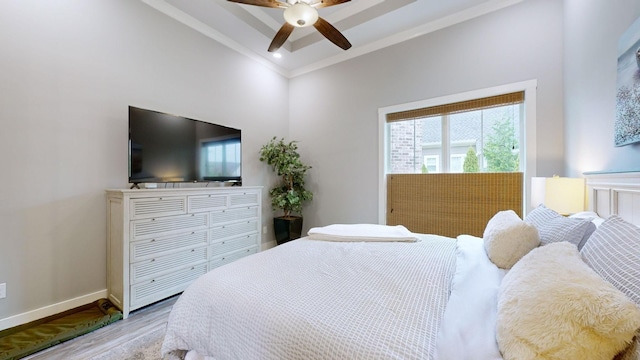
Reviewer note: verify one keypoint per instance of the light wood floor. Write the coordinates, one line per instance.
(138, 323)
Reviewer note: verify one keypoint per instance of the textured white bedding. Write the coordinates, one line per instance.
(309, 299)
(468, 328)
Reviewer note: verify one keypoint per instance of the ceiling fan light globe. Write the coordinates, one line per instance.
(301, 15)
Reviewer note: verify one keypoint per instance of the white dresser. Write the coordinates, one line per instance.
(160, 240)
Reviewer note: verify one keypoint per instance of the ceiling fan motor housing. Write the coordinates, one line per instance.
(301, 14)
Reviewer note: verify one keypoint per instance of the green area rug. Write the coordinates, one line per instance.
(23, 340)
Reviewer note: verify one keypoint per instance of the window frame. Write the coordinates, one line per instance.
(528, 148)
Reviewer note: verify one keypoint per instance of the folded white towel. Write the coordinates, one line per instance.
(361, 232)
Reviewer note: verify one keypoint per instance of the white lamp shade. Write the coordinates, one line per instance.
(301, 15)
(563, 195)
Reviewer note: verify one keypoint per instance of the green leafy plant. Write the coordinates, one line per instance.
(500, 148)
(285, 161)
(470, 164)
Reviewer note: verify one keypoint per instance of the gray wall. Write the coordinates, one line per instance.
(591, 31)
(69, 69)
(334, 110)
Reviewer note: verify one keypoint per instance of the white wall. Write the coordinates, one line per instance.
(591, 31)
(68, 71)
(334, 110)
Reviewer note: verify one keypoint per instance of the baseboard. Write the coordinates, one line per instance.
(51, 309)
(268, 245)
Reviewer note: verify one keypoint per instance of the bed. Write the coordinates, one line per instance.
(355, 295)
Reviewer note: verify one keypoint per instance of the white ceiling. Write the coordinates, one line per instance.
(368, 24)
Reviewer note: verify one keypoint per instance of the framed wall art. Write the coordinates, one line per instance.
(627, 123)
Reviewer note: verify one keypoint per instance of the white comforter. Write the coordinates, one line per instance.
(325, 300)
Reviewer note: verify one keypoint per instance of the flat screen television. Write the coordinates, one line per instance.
(168, 148)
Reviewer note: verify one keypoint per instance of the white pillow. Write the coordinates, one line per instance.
(589, 215)
(551, 305)
(507, 238)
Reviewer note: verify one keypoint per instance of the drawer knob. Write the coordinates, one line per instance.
(223, 243)
(160, 198)
(153, 280)
(193, 268)
(193, 250)
(153, 240)
(152, 260)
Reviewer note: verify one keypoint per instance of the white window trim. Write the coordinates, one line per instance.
(528, 151)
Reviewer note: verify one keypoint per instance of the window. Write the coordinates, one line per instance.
(456, 163)
(524, 127)
(478, 135)
(431, 164)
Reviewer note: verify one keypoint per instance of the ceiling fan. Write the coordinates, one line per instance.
(302, 13)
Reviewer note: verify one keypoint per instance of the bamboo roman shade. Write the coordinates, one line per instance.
(451, 204)
(462, 106)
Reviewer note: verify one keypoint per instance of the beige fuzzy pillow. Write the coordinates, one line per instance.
(551, 305)
(507, 238)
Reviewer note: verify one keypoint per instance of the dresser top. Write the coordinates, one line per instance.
(186, 190)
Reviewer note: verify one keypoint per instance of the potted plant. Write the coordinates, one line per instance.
(289, 194)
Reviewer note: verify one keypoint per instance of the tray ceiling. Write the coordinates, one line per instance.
(368, 24)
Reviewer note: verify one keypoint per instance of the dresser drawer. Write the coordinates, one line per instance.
(233, 215)
(244, 199)
(159, 288)
(154, 227)
(217, 262)
(201, 203)
(146, 249)
(145, 208)
(154, 267)
(232, 230)
(227, 246)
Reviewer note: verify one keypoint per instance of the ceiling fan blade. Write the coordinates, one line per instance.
(281, 36)
(327, 3)
(332, 33)
(263, 3)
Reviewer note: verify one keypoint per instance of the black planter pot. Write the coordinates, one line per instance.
(287, 228)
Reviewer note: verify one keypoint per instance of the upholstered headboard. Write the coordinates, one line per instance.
(615, 194)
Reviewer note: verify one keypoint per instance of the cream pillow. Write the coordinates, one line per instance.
(507, 238)
(551, 305)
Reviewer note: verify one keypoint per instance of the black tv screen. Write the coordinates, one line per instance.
(170, 148)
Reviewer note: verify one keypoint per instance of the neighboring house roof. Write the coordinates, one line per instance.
(465, 128)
